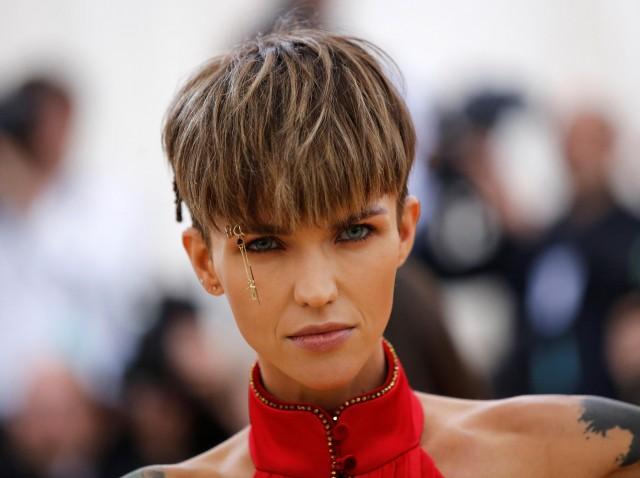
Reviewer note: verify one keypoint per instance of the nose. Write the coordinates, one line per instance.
(315, 284)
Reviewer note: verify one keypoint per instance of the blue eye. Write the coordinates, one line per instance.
(356, 232)
(263, 244)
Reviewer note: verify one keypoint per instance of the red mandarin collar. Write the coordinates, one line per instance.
(375, 434)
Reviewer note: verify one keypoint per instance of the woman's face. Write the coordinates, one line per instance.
(325, 293)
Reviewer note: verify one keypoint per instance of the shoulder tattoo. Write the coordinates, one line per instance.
(601, 415)
(145, 473)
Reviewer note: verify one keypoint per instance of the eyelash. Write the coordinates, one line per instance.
(368, 227)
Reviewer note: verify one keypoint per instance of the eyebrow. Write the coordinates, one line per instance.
(271, 229)
(376, 210)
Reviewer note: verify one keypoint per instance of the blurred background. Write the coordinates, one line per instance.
(525, 274)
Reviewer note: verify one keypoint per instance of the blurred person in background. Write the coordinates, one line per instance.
(176, 402)
(562, 278)
(71, 280)
(58, 431)
(474, 224)
(574, 274)
(35, 126)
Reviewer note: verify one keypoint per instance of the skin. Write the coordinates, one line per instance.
(313, 276)
(316, 278)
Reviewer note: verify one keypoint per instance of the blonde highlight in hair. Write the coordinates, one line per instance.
(293, 127)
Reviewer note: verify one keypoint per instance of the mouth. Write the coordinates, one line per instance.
(322, 338)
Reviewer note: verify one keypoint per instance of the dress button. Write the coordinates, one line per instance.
(349, 462)
(340, 432)
(346, 463)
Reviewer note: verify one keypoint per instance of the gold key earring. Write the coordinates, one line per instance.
(236, 231)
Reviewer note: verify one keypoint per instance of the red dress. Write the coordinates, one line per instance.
(376, 435)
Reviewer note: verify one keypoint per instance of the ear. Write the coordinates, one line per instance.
(407, 227)
(201, 260)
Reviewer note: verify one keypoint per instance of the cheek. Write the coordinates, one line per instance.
(257, 321)
(370, 284)
(246, 312)
(230, 272)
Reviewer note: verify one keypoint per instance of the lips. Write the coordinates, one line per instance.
(321, 338)
(320, 329)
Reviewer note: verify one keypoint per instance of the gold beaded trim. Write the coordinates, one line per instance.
(353, 401)
(322, 415)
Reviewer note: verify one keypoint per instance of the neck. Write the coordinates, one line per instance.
(286, 389)
(589, 206)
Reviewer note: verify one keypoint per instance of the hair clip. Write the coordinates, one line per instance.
(236, 231)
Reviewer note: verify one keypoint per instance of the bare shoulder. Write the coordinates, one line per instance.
(230, 459)
(549, 435)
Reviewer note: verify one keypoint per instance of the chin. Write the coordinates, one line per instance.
(332, 381)
(329, 372)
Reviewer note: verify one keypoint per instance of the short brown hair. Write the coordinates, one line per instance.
(292, 127)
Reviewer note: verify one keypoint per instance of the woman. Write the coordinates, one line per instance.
(292, 154)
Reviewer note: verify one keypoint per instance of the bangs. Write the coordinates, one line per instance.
(290, 129)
